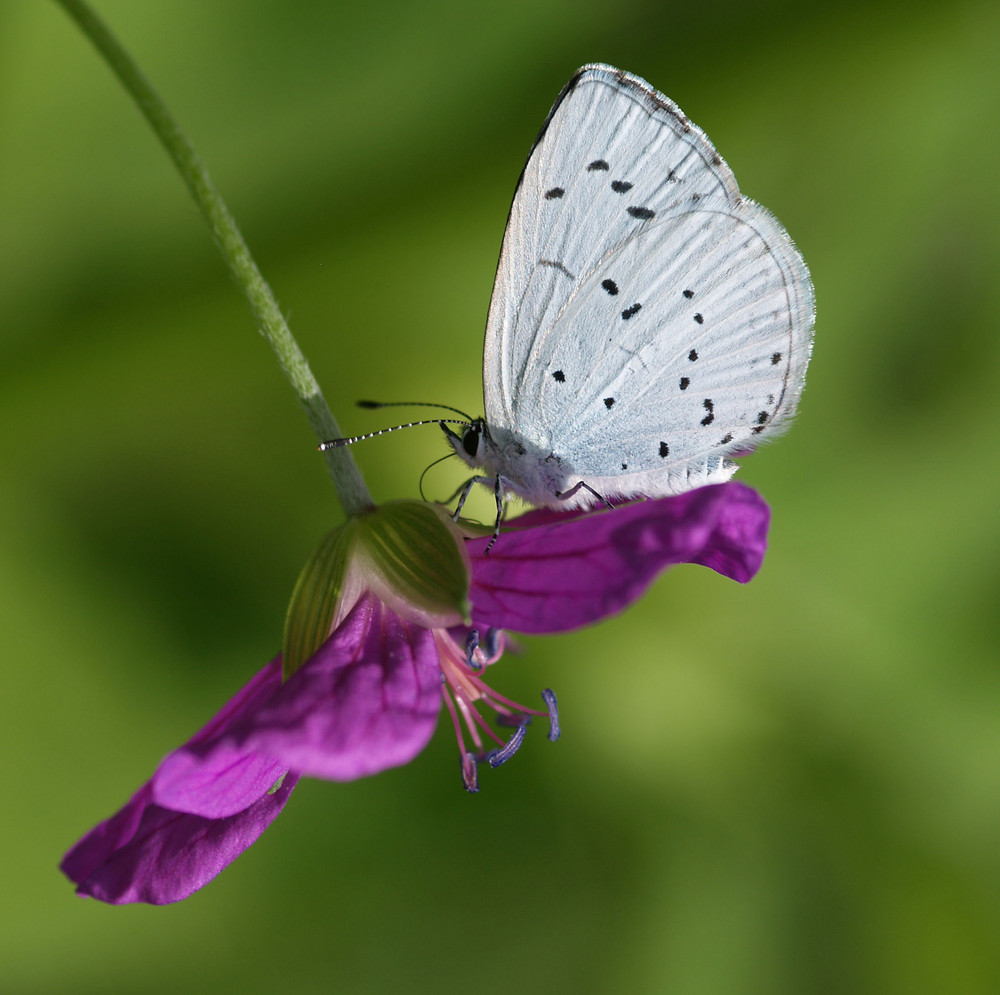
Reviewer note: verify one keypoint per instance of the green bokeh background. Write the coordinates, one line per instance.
(788, 787)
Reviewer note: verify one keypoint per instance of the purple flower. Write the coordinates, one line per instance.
(369, 697)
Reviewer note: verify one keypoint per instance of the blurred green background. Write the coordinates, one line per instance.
(792, 786)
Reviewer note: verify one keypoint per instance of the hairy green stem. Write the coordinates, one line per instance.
(343, 470)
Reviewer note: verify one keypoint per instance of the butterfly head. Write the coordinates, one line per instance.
(509, 463)
(471, 442)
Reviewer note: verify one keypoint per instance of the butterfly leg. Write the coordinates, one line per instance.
(464, 491)
(463, 494)
(498, 494)
(581, 484)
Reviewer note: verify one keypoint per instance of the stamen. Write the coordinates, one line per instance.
(454, 717)
(472, 718)
(465, 692)
(501, 756)
(501, 704)
(472, 715)
(549, 697)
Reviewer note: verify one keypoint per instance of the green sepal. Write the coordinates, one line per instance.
(315, 598)
(416, 561)
(408, 553)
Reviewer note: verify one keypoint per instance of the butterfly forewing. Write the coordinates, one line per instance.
(612, 155)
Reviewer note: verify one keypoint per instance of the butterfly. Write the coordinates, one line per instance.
(648, 322)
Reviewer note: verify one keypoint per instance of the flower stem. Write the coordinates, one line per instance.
(343, 470)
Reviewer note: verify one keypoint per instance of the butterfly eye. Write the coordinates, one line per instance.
(470, 440)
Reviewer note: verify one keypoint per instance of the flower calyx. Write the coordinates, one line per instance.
(408, 553)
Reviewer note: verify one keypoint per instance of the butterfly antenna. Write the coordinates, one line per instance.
(337, 443)
(412, 404)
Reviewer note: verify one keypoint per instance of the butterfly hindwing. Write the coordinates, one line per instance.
(698, 354)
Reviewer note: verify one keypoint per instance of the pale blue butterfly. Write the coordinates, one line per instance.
(648, 321)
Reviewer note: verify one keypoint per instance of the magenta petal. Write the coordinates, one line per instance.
(233, 779)
(367, 700)
(565, 570)
(106, 837)
(147, 853)
(155, 852)
(223, 786)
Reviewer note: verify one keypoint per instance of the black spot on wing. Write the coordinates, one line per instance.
(642, 213)
(621, 186)
(632, 311)
(608, 401)
(559, 376)
(726, 439)
(775, 359)
(699, 319)
(693, 355)
(624, 466)
(664, 450)
(761, 422)
(689, 294)
(554, 194)
(598, 164)
(685, 383)
(710, 408)
(610, 286)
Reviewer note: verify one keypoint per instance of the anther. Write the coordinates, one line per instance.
(491, 647)
(549, 697)
(501, 756)
(470, 773)
(471, 645)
